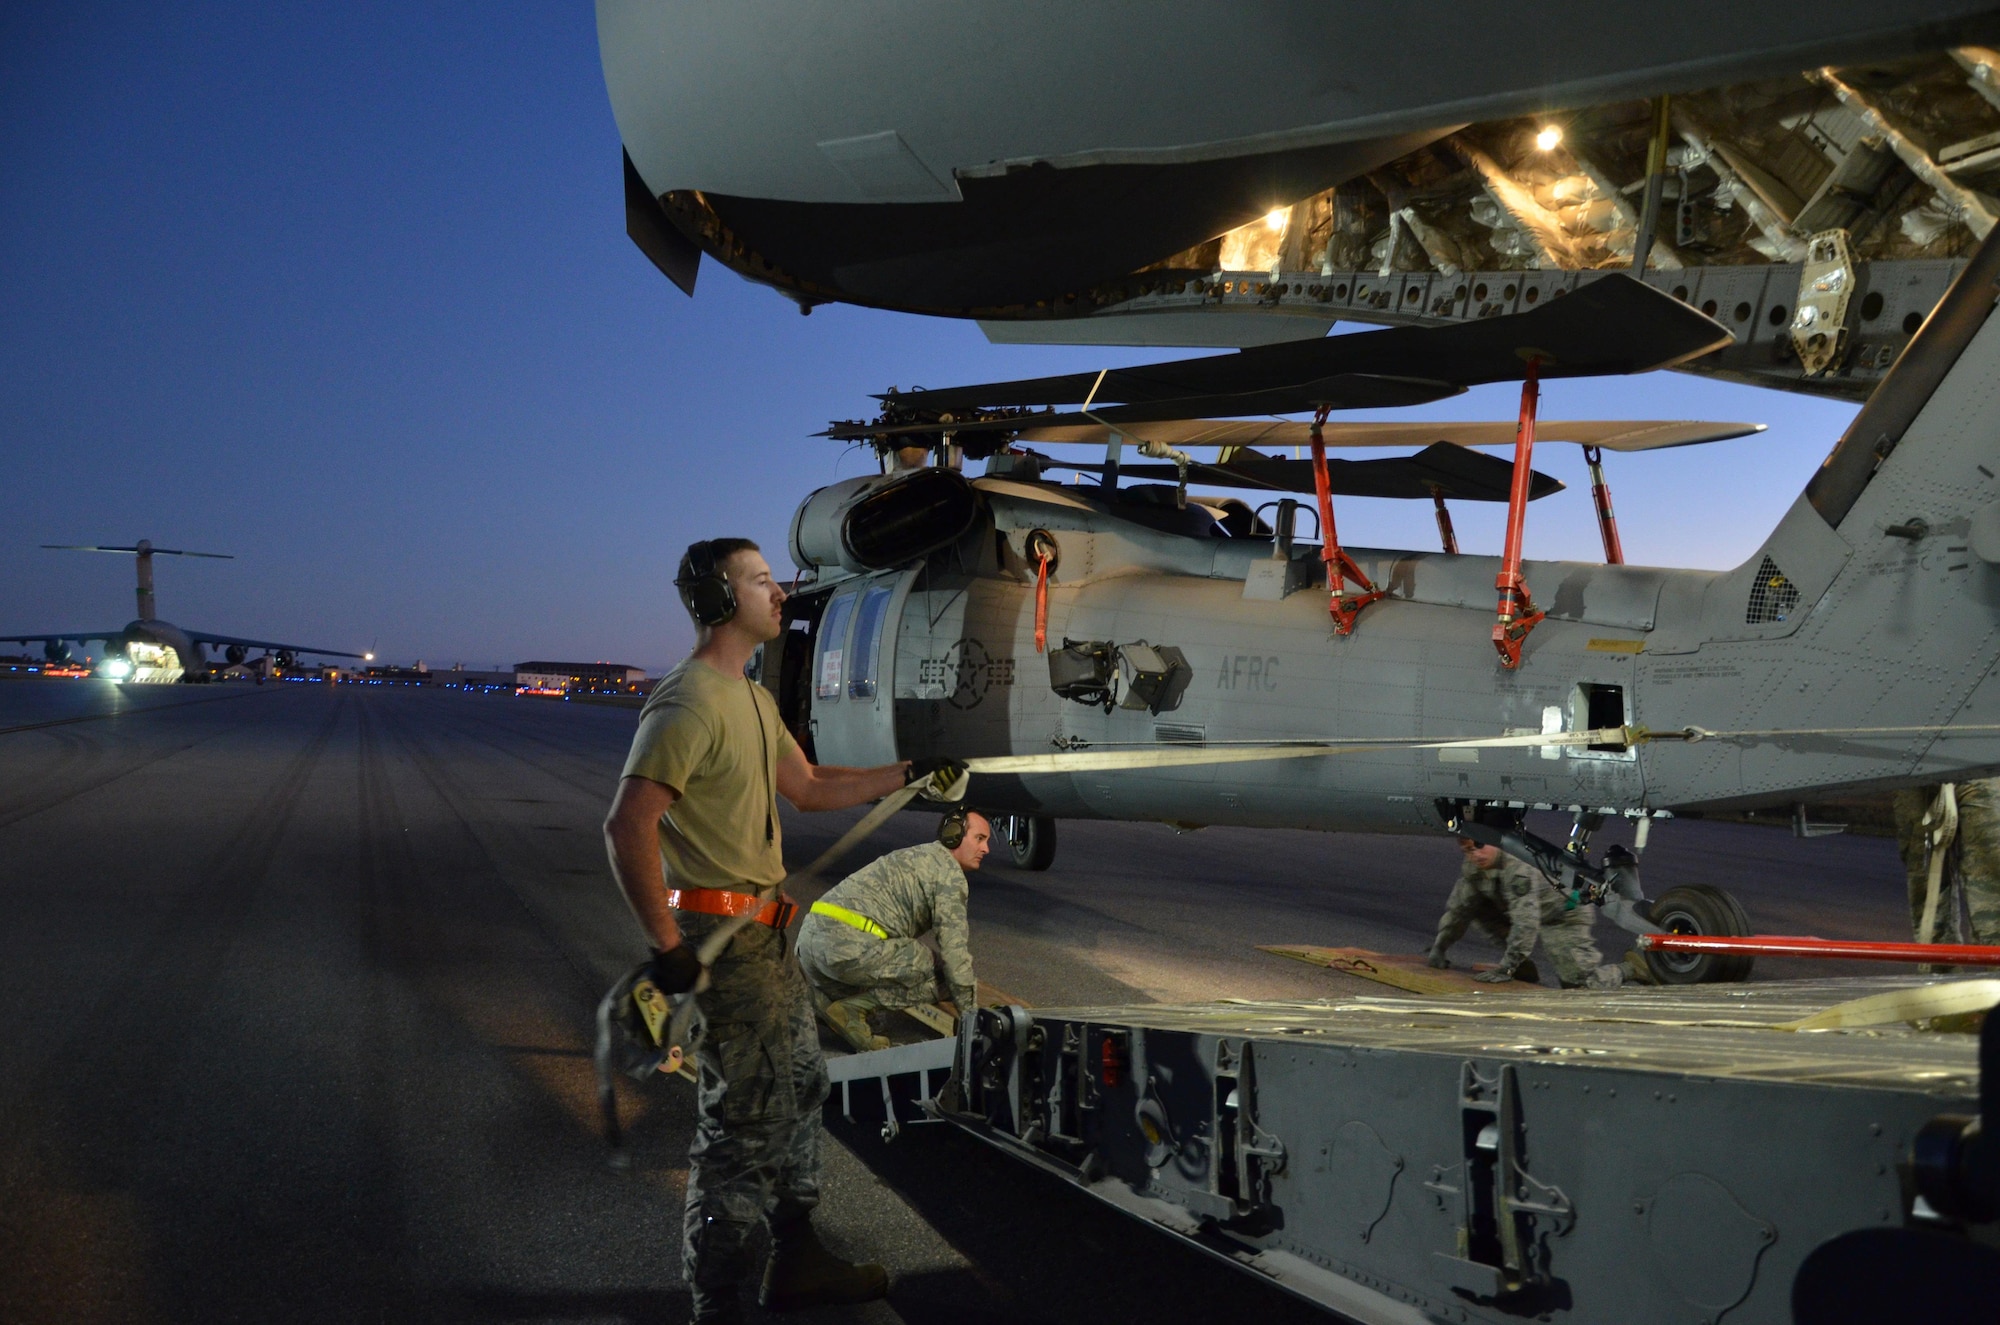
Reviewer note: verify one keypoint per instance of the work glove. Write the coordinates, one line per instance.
(676, 970)
(943, 779)
(1499, 975)
(1437, 958)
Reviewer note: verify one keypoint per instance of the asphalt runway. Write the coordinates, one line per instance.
(297, 984)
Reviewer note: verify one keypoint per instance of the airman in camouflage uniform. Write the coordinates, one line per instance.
(1516, 905)
(859, 949)
(1972, 861)
(694, 844)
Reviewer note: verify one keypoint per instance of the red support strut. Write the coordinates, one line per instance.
(1340, 568)
(1446, 534)
(1600, 493)
(1041, 605)
(1517, 614)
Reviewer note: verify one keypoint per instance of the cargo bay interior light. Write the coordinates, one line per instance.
(1275, 218)
(1549, 138)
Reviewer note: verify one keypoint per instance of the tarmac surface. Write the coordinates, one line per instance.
(298, 980)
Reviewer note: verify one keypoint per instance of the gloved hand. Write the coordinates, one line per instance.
(943, 779)
(1437, 958)
(676, 970)
(1499, 975)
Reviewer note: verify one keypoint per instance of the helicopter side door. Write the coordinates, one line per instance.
(852, 678)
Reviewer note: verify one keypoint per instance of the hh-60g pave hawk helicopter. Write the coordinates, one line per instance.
(1005, 615)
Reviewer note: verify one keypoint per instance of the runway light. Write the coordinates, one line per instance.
(1548, 138)
(1275, 218)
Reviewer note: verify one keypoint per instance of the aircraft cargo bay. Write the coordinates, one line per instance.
(301, 978)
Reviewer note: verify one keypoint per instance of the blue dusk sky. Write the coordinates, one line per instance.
(344, 290)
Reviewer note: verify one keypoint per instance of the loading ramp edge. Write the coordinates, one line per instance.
(1359, 1168)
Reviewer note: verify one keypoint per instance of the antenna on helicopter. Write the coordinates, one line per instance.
(145, 551)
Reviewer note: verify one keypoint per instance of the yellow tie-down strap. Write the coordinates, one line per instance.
(847, 917)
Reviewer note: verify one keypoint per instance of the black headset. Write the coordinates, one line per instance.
(705, 590)
(951, 829)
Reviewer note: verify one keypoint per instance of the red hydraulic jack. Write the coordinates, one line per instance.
(1446, 534)
(1600, 494)
(1517, 613)
(1340, 567)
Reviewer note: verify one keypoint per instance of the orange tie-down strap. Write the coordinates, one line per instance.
(720, 902)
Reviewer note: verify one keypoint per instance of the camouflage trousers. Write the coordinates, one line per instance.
(840, 961)
(1972, 862)
(756, 1149)
(1570, 946)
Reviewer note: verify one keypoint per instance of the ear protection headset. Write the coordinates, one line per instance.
(951, 829)
(705, 590)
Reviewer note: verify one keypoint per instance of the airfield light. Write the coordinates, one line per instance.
(1548, 139)
(1274, 220)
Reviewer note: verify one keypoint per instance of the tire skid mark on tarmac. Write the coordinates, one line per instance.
(123, 713)
(597, 788)
(176, 970)
(455, 800)
(494, 973)
(48, 798)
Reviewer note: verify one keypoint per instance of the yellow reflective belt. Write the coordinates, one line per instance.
(847, 917)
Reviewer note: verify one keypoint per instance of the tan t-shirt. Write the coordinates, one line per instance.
(698, 735)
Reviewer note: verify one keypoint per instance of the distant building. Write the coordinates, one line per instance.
(585, 678)
(401, 676)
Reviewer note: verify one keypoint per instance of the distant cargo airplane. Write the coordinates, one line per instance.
(151, 650)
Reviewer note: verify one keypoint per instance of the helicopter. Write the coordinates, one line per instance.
(944, 615)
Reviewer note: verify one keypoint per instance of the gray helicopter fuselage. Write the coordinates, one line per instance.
(1886, 616)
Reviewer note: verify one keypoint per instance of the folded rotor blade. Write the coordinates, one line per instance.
(1610, 434)
(1451, 470)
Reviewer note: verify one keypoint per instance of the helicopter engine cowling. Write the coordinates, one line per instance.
(883, 520)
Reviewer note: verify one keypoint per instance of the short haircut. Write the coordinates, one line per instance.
(722, 549)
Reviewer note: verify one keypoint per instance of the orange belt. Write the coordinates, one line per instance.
(719, 902)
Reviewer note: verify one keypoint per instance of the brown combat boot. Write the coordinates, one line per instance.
(802, 1273)
(849, 1018)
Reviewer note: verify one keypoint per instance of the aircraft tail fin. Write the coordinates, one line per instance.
(1907, 480)
(1876, 600)
(144, 552)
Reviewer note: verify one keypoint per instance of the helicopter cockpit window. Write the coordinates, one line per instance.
(832, 647)
(867, 634)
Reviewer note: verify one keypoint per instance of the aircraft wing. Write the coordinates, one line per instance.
(79, 636)
(203, 637)
(1450, 470)
(1610, 434)
(1612, 325)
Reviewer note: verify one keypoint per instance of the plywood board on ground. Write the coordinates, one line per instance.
(1401, 970)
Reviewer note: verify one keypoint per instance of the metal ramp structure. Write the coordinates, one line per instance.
(904, 1078)
(1655, 1156)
